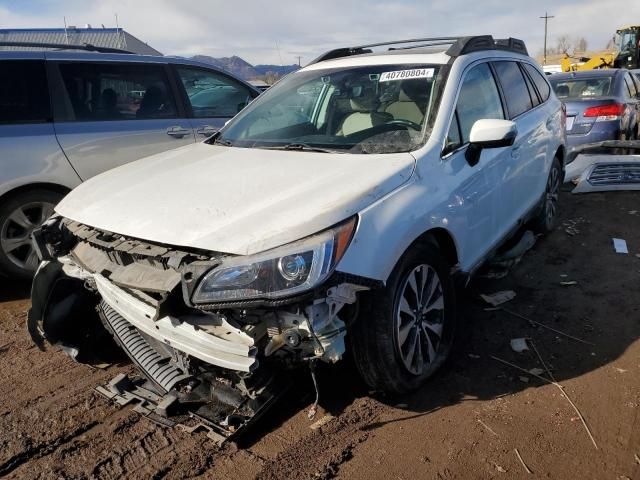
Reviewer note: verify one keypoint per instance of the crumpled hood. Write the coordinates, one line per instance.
(233, 200)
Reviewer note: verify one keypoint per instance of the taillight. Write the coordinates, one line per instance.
(611, 111)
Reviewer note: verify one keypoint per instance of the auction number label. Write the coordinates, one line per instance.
(406, 74)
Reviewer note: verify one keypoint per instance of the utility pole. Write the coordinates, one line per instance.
(546, 19)
(299, 59)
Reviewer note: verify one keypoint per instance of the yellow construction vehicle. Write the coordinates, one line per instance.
(625, 54)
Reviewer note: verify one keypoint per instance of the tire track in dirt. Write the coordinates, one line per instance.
(42, 449)
(320, 454)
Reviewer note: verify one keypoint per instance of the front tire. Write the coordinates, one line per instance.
(405, 332)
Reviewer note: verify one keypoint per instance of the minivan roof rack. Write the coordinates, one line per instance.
(63, 46)
(459, 46)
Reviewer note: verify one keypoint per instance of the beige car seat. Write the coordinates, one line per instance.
(364, 116)
(405, 108)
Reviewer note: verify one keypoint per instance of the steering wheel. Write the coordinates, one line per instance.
(405, 123)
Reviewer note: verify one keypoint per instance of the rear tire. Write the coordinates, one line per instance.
(545, 221)
(20, 214)
(405, 332)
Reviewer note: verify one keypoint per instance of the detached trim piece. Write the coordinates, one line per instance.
(610, 176)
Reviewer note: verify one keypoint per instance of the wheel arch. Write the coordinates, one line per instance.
(560, 154)
(54, 187)
(442, 239)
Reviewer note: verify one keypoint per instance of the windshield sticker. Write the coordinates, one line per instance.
(407, 74)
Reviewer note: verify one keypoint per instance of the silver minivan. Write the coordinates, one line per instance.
(67, 116)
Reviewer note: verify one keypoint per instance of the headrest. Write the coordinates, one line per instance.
(412, 90)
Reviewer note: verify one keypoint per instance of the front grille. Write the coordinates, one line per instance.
(156, 367)
(615, 174)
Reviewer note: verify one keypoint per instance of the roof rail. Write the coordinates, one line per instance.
(63, 46)
(459, 46)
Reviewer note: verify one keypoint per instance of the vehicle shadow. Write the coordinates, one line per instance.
(597, 309)
(12, 289)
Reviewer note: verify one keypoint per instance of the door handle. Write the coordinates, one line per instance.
(177, 132)
(206, 130)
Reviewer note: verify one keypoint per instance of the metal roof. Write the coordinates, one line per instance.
(101, 37)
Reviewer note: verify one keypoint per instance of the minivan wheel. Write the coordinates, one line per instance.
(20, 215)
(405, 332)
(546, 218)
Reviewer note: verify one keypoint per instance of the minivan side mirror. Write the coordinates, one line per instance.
(489, 133)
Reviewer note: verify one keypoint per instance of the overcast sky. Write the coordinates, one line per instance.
(277, 31)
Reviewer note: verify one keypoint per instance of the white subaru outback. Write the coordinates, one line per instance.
(334, 212)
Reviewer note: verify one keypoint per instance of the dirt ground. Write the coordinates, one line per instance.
(465, 423)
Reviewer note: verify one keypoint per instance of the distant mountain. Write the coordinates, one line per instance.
(243, 69)
(278, 69)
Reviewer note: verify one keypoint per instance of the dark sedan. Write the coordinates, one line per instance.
(601, 105)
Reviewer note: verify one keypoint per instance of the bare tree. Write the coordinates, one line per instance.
(563, 44)
(580, 45)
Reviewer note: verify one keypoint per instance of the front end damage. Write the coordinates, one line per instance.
(222, 364)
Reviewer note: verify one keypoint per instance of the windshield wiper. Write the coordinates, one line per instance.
(225, 143)
(303, 147)
(216, 140)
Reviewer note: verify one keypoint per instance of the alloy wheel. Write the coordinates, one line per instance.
(15, 233)
(420, 319)
(551, 201)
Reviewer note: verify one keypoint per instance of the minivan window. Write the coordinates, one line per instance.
(543, 87)
(514, 88)
(363, 109)
(106, 91)
(24, 95)
(478, 99)
(212, 94)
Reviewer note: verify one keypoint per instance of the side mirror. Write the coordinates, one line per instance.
(489, 133)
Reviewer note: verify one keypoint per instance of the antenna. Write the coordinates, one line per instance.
(121, 37)
(66, 34)
(280, 56)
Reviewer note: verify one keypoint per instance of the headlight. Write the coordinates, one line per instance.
(281, 272)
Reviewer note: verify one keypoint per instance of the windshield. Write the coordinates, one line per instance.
(582, 88)
(626, 40)
(366, 109)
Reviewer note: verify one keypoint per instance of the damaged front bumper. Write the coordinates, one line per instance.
(223, 364)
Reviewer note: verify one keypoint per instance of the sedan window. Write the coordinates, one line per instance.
(582, 87)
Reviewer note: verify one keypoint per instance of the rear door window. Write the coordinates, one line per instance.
(541, 84)
(213, 94)
(24, 95)
(478, 99)
(514, 88)
(630, 85)
(535, 100)
(106, 91)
